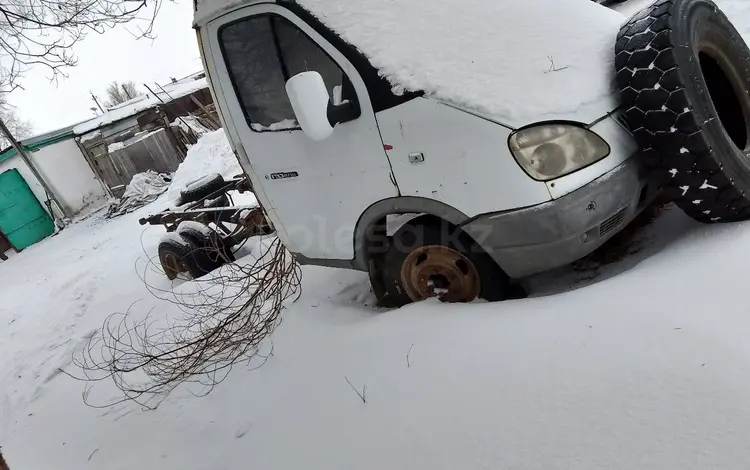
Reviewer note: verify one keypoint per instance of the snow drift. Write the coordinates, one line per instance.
(212, 154)
(645, 370)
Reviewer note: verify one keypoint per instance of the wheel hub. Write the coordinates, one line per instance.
(440, 271)
(172, 265)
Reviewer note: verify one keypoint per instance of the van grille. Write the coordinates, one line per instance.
(612, 223)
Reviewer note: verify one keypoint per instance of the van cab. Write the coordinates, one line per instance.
(446, 151)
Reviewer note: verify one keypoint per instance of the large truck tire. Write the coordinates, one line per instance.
(683, 72)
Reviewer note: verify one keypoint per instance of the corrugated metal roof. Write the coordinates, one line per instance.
(187, 85)
(178, 89)
(42, 140)
(164, 94)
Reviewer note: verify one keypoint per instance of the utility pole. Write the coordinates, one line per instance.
(27, 158)
(93, 96)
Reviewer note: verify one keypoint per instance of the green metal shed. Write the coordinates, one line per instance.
(23, 220)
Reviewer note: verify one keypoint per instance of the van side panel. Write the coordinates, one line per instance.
(314, 192)
(459, 159)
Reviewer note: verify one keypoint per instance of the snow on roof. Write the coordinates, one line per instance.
(171, 91)
(91, 135)
(493, 56)
(40, 140)
(207, 9)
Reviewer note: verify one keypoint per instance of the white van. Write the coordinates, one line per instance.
(493, 125)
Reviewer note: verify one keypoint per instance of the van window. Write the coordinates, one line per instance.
(262, 53)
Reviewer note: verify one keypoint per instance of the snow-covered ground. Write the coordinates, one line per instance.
(737, 10)
(646, 369)
(643, 370)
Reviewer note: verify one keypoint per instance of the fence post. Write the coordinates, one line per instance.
(179, 147)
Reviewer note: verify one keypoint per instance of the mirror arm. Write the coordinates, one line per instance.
(344, 112)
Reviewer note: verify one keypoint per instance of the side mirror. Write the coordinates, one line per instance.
(315, 112)
(309, 97)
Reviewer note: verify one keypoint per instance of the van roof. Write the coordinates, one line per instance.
(520, 61)
(206, 10)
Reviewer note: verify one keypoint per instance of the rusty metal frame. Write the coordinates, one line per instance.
(248, 221)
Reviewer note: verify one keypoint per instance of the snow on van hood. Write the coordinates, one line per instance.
(519, 61)
(494, 56)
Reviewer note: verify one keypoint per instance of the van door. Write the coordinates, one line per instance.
(316, 191)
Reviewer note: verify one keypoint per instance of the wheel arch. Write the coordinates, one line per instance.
(375, 215)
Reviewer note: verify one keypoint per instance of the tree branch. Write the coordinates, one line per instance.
(43, 32)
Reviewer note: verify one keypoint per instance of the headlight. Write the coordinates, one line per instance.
(549, 151)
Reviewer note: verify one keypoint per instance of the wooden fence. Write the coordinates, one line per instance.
(153, 151)
(116, 152)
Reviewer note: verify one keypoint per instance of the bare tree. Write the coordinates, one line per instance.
(121, 92)
(20, 128)
(43, 32)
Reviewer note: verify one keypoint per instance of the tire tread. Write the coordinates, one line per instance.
(663, 123)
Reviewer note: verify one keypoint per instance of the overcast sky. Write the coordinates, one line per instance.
(116, 55)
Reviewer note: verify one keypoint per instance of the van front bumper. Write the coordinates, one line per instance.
(556, 233)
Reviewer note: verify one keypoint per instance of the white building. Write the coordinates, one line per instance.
(59, 160)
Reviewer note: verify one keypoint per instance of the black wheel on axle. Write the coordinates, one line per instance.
(178, 255)
(213, 251)
(683, 72)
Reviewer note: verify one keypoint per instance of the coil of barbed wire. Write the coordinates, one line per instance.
(225, 318)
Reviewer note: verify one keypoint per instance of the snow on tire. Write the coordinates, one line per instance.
(178, 255)
(216, 252)
(682, 72)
